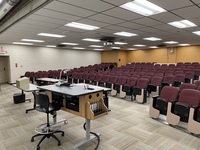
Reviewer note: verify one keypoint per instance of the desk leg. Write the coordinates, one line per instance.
(34, 105)
(106, 101)
(89, 137)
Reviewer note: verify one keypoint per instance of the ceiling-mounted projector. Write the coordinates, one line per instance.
(108, 40)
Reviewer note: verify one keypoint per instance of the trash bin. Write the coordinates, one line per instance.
(18, 98)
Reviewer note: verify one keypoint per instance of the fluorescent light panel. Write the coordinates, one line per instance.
(115, 47)
(91, 40)
(185, 44)
(182, 24)
(152, 39)
(153, 47)
(96, 46)
(131, 49)
(197, 32)
(171, 42)
(32, 40)
(120, 43)
(51, 35)
(127, 34)
(139, 45)
(81, 26)
(78, 48)
(98, 49)
(70, 43)
(22, 43)
(143, 7)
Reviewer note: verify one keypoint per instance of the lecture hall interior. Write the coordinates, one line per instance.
(122, 74)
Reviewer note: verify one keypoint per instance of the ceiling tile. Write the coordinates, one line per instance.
(56, 15)
(172, 4)
(147, 21)
(93, 5)
(105, 18)
(116, 2)
(166, 17)
(69, 9)
(188, 12)
(131, 25)
(122, 14)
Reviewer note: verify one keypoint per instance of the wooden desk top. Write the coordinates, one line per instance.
(72, 90)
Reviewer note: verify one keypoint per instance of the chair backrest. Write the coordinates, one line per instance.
(168, 79)
(113, 79)
(169, 93)
(186, 86)
(142, 83)
(179, 77)
(197, 83)
(122, 80)
(42, 100)
(189, 74)
(156, 80)
(190, 97)
(132, 81)
(98, 77)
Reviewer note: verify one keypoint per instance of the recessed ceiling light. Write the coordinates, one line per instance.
(91, 40)
(171, 42)
(22, 43)
(50, 45)
(51, 35)
(31, 40)
(152, 39)
(81, 26)
(139, 45)
(197, 32)
(153, 47)
(98, 49)
(78, 48)
(127, 34)
(120, 43)
(96, 46)
(182, 24)
(131, 48)
(184, 44)
(143, 7)
(115, 47)
(70, 43)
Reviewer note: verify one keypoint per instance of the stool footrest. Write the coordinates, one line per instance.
(43, 129)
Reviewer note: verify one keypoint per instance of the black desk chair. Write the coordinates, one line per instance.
(45, 130)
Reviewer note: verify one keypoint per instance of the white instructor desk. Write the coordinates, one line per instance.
(81, 100)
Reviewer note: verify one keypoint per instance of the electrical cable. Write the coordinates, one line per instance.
(98, 138)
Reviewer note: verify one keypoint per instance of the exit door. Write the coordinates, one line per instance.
(3, 67)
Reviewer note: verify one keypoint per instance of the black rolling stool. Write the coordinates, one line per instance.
(45, 130)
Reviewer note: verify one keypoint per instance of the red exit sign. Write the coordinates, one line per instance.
(2, 51)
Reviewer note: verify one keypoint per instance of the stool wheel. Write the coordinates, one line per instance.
(32, 140)
(59, 144)
(62, 134)
(38, 148)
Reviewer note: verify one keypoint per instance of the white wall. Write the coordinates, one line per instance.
(40, 58)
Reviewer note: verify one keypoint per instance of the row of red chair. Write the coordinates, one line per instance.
(178, 106)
